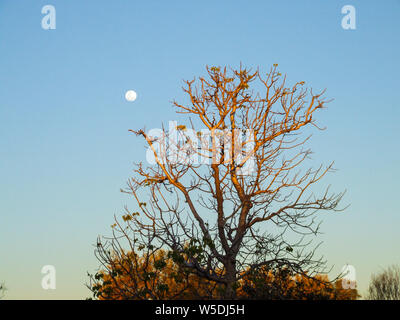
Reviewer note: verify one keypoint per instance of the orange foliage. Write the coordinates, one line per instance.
(153, 276)
(280, 284)
(156, 276)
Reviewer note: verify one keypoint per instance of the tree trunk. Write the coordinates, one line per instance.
(230, 290)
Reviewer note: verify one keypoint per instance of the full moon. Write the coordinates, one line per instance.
(130, 95)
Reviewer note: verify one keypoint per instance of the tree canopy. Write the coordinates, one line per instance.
(385, 285)
(158, 277)
(228, 192)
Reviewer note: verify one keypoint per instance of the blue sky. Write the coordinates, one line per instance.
(65, 149)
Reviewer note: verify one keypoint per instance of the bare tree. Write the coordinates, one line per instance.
(2, 290)
(385, 285)
(224, 205)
